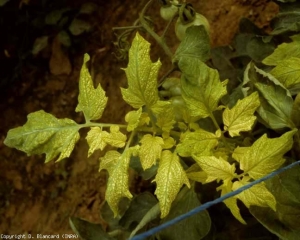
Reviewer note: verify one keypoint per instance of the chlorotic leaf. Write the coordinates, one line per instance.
(164, 113)
(109, 160)
(43, 133)
(241, 116)
(115, 138)
(199, 143)
(231, 203)
(199, 176)
(201, 87)
(95, 139)
(216, 168)
(288, 73)
(133, 118)
(169, 143)
(169, 179)
(284, 51)
(91, 101)
(150, 150)
(296, 111)
(141, 75)
(118, 181)
(257, 195)
(265, 155)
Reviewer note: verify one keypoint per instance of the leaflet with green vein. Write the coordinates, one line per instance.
(169, 179)
(241, 117)
(201, 87)
(141, 75)
(91, 101)
(43, 133)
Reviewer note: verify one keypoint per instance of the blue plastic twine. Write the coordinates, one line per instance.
(209, 204)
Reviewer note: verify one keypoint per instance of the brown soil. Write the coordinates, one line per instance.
(37, 197)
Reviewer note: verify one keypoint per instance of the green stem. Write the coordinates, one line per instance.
(92, 124)
(158, 39)
(212, 117)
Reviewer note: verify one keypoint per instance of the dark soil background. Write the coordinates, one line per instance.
(37, 197)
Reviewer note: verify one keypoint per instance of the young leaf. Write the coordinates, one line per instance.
(276, 101)
(196, 44)
(284, 51)
(109, 160)
(141, 75)
(257, 195)
(95, 139)
(91, 101)
(216, 168)
(118, 181)
(43, 133)
(115, 138)
(265, 155)
(201, 87)
(133, 118)
(199, 143)
(288, 73)
(231, 203)
(241, 116)
(150, 150)
(164, 113)
(169, 179)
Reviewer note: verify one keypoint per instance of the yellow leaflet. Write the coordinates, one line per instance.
(216, 168)
(199, 143)
(118, 181)
(257, 195)
(231, 203)
(133, 118)
(44, 133)
(169, 142)
(141, 75)
(164, 114)
(265, 155)
(284, 51)
(241, 116)
(200, 176)
(109, 160)
(95, 139)
(287, 72)
(91, 101)
(169, 179)
(144, 119)
(150, 150)
(115, 138)
(201, 87)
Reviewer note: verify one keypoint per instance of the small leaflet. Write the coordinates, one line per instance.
(91, 101)
(199, 143)
(201, 87)
(141, 75)
(284, 51)
(118, 181)
(150, 150)
(95, 139)
(241, 116)
(133, 118)
(164, 114)
(115, 138)
(288, 73)
(216, 168)
(257, 195)
(109, 160)
(169, 179)
(43, 133)
(265, 155)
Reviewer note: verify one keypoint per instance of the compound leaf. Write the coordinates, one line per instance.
(118, 181)
(288, 73)
(95, 139)
(43, 133)
(169, 179)
(216, 168)
(91, 101)
(284, 51)
(199, 143)
(150, 150)
(201, 87)
(141, 75)
(265, 155)
(258, 195)
(241, 116)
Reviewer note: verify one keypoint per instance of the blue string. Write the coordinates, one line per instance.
(209, 204)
